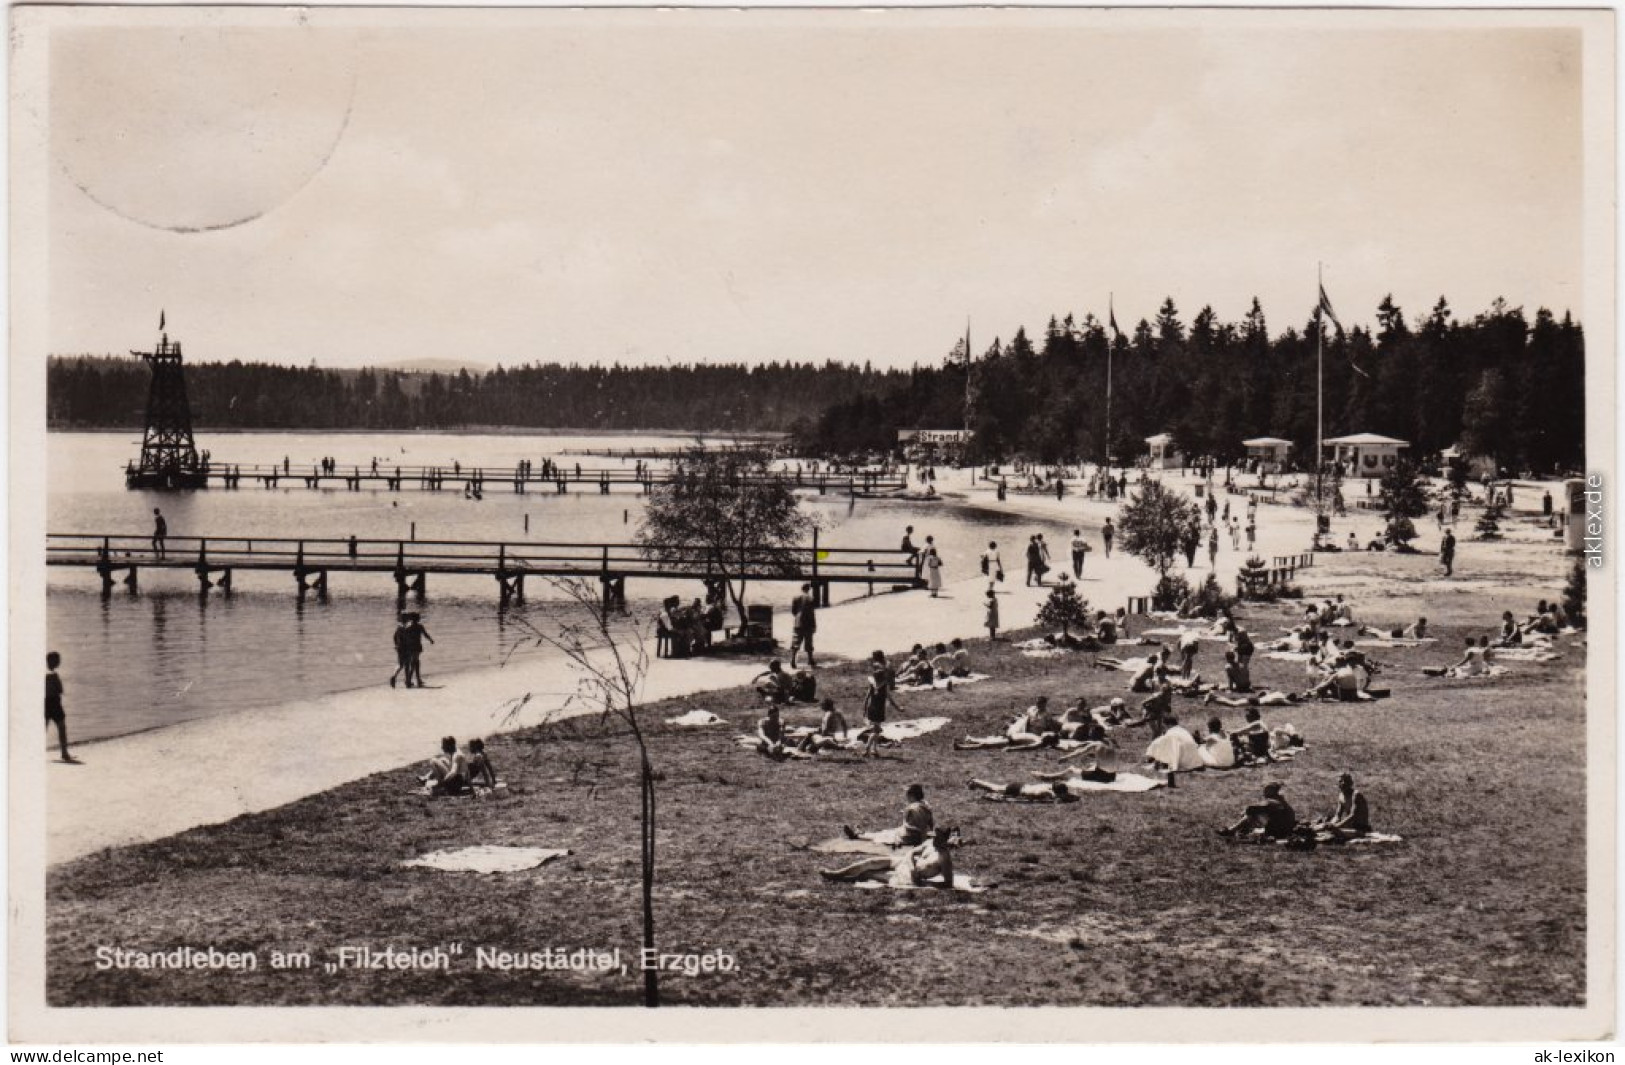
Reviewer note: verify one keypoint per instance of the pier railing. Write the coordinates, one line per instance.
(409, 561)
(560, 478)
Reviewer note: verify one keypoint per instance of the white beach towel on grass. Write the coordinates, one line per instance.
(1373, 839)
(1129, 782)
(486, 859)
(945, 683)
(1395, 641)
(897, 731)
(900, 882)
(1527, 654)
(696, 719)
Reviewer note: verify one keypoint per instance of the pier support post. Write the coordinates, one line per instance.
(131, 581)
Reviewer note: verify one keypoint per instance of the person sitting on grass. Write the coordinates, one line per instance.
(1145, 678)
(1251, 741)
(1271, 819)
(942, 662)
(1096, 758)
(1216, 749)
(1175, 751)
(1474, 662)
(1237, 677)
(1542, 622)
(1341, 683)
(1155, 712)
(919, 823)
(961, 658)
(931, 860)
(774, 685)
(448, 770)
(1511, 634)
(1105, 628)
(1351, 819)
(480, 769)
(916, 671)
(770, 733)
(824, 736)
(1055, 791)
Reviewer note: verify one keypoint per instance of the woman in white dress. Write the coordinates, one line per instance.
(933, 569)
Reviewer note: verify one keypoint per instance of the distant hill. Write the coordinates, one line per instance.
(433, 366)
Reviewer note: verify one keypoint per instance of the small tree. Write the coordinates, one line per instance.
(1209, 600)
(1401, 496)
(1152, 526)
(1064, 607)
(1488, 526)
(727, 515)
(1574, 594)
(609, 654)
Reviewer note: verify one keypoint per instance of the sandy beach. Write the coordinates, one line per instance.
(126, 791)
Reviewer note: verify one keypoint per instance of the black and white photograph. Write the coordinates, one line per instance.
(1097, 520)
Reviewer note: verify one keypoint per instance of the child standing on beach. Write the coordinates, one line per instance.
(992, 618)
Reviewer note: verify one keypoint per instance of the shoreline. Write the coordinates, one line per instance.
(256, 760)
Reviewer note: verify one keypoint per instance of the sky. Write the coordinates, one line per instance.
(510, 187)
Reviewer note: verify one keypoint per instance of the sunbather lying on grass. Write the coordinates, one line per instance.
(1017, 792)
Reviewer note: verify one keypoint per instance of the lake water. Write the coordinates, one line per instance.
(166, 654)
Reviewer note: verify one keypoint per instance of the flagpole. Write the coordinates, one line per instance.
(967, 372)
(1320, 384)
(1111, 313)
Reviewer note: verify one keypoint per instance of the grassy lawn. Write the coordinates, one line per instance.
(1121, 899)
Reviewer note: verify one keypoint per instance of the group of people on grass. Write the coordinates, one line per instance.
(459, 770)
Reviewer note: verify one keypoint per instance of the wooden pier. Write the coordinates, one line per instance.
(213, 560)
(560, 479)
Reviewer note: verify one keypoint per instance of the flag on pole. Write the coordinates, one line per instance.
(1326, 308)
(160, 321)
(1111, 319)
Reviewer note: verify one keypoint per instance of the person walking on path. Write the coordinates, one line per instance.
(1252, 532)
(54, 713)
(804, 619)
(1079, 550)
(1035, 562)
(1447, 553)
(1213, 548)
(412, 641)
(160, 530)
(1106, 534)
(992, 564)
(991, 616)
(933, 567)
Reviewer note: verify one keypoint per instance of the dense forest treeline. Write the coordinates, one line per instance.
(1498, 385)
(103, 392)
